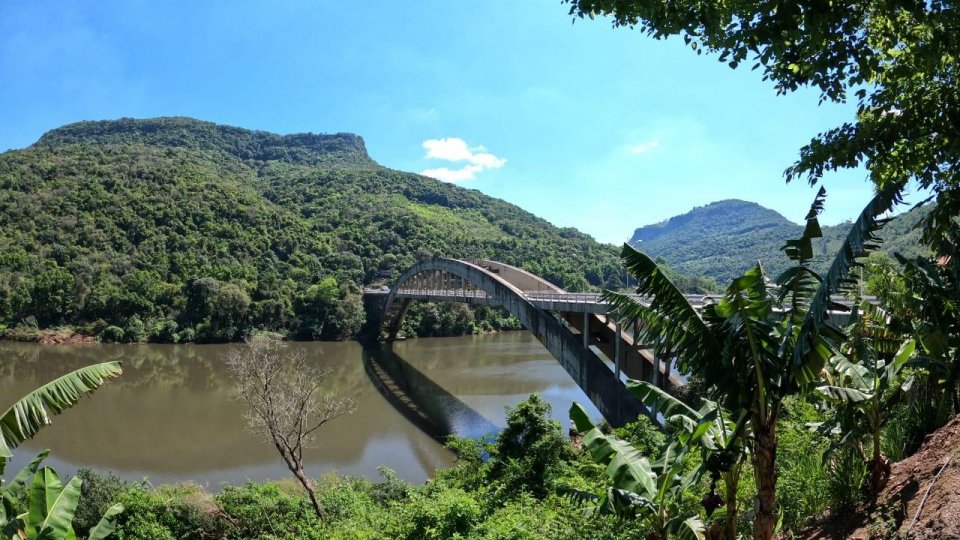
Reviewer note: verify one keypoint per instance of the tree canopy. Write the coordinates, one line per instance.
(898, 59)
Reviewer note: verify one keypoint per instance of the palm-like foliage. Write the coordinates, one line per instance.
(862, 389)
(934, 291)
(50, 507)
(709, 427)
(757, 345)
(651, 492)
(28, 415)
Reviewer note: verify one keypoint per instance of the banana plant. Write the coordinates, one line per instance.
(51, 506)
(22, 421)
(32, 412)
(863, 386)
(934, 289)
(651, 492)
(758, 344)
(11, 491)
(715, 432)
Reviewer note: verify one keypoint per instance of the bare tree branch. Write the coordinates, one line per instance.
(285, 405)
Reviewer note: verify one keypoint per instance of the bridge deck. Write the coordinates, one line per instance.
(549, 301)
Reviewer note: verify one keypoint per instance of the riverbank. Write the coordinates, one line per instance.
(499, 498)
(63, 335)
(424, 319)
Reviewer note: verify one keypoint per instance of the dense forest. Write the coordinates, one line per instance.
(723, 239)
(173, 229)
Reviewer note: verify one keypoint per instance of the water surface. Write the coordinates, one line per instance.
(172, 416)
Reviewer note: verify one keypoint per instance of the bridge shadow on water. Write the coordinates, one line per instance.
(429, 406)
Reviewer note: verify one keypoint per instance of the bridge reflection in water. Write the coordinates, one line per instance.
(428, 405)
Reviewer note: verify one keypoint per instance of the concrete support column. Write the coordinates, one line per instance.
(586, 330)
(616, 354)
(655, 379)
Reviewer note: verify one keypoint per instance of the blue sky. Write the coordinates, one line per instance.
(601, 129)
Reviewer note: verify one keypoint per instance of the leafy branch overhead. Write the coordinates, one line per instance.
(900, 60)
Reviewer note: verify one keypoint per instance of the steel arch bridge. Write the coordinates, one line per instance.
(574, 327)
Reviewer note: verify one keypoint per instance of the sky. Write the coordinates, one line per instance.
(587, 126)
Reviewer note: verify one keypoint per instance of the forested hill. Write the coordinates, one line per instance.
(724, 238)
(177, 229)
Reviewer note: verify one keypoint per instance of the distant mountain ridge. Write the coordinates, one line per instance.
(724, 238)
(198, 135)
(733, 215)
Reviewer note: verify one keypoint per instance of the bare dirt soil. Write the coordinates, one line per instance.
(930, 478)
(64, 337)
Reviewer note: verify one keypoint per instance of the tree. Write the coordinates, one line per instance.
(52, 295)
(230, 307)
(757, 345)
(530, 447)
(286, 405)
(317, 309)
(899, 59)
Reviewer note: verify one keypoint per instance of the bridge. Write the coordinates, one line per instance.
(597, 351)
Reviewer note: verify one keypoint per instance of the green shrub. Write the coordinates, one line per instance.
(25, 331)
(802, 484)
(187, 335)
(94, 328)
(164, 331)
(136, 330)
(346, 499)
(470, 471)
(643, 435)
(112, 334)
(391, 489)
(267, 511)
(445, 514)
(921, 415)
(99, 492)
(170, 511)
(847, 479)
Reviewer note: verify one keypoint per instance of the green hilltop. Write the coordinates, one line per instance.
(175, 229)
(722, 239)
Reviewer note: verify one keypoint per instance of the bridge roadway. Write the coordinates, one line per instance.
(547, 300)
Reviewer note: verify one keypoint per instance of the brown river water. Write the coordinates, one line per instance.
(172, 416)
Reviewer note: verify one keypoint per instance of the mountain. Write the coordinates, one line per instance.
(724, 238)
(175, 229)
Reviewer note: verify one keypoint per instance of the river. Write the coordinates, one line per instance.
(172, 416)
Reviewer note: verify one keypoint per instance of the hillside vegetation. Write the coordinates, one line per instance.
(723, 239)
(173, 229)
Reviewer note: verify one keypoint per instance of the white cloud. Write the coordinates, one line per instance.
(455, 149)
(645, 147)
(468, 172)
